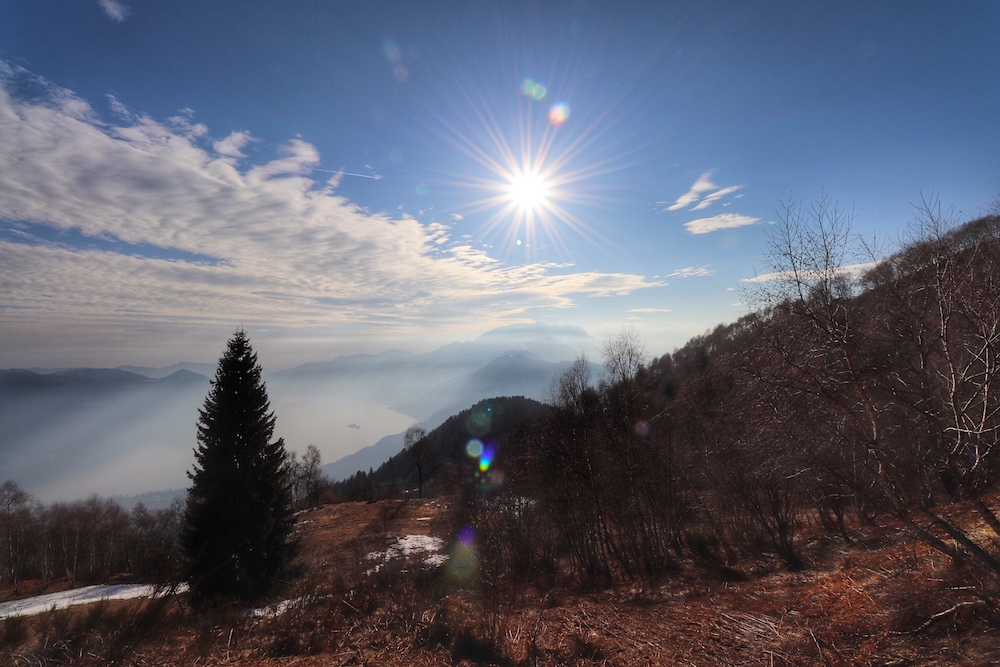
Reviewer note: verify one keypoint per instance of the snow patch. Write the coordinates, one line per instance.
(410, 545)
(276, 609)
(86, 595)
(436, 560)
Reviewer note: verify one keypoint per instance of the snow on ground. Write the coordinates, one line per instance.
(411, 545)
(276, 609)
(75, 596)
(436, 560)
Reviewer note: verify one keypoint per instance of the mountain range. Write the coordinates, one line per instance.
(67, 433)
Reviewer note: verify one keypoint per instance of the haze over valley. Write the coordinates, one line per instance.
(69, 433)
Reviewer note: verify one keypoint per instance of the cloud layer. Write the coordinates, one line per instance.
(263, 244)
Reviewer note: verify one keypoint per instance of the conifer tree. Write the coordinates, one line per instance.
(238, 517)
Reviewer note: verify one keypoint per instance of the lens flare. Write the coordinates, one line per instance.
(486, 459)
(558, 114)
(391, 50)
(480, 419)
(533, 89)
(463, 560)
(474, 448)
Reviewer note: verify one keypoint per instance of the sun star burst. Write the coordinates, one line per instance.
(528, 190)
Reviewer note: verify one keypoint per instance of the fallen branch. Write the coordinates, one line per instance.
(941, 614)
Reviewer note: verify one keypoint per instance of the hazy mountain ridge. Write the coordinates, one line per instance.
(90, 377)
(66, 433)
(422, 384)
(207, 370)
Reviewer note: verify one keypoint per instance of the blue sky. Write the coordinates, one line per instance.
(337, 176)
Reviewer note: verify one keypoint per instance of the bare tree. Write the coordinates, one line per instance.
(420, 449)
(831, 349)
(15, 521)
(305, 477)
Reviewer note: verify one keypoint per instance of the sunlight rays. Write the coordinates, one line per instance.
(534, 173)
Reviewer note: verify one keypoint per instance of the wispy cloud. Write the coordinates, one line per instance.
(650, 310)
(116, 11)
(691, 272)
(852, 271)
(700, 196)
(714, 197)
(119, 109)
(721, 221)
(284, 249)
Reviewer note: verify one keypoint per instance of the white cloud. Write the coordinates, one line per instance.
(721, 221)
(284, 249)
(852, 271)
(694, 197)
(233, 145)
(649, 310)
(116, 11)
(691, 272)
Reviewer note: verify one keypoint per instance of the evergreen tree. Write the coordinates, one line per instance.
(238, 517)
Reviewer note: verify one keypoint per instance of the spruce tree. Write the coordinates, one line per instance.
(238, 518)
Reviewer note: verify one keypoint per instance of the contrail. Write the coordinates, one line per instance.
(375, 177)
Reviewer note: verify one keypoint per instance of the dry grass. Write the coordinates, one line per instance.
(878, 601)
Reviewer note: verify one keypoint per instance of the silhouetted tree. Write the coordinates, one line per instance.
(421, 451)
(238, 518)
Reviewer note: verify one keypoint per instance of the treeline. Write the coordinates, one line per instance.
(841, 398)
(91, 541)
(86, 541)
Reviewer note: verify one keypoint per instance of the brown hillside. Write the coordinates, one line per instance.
(885, 599)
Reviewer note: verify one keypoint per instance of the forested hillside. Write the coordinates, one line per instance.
(838, 399)
(444, 452)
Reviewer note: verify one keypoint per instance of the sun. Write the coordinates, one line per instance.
(531, 183)
(529, 191)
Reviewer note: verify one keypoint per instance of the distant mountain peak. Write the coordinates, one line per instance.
(537, 329)
(184, 375)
